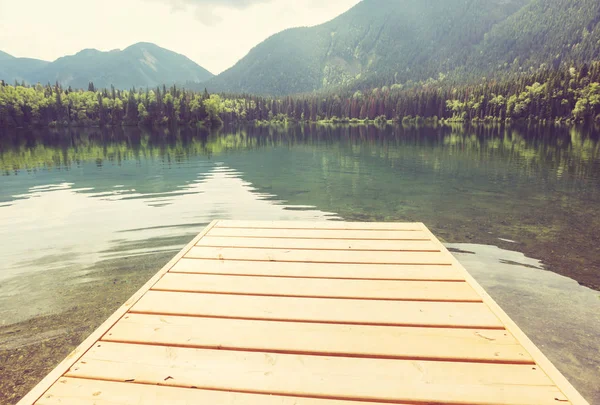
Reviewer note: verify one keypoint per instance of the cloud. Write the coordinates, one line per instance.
(204, 10)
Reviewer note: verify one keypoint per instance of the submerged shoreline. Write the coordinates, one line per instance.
(31, 348)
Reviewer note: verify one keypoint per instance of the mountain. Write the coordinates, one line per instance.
(5, 56)
(140, 65)
(375, 43)
(12, 68)
(407, 39)
(384, 42)
(551, 32)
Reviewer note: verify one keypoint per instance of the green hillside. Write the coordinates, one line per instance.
(377, 40)
(387, 42)
(551, 32)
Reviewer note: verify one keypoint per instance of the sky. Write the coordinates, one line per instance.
(213, 33)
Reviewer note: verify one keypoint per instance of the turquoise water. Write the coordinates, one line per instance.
(88, 192)
(88, 215)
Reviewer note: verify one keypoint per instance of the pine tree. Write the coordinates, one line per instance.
(101, 113)
(58, 103)
(131, 109)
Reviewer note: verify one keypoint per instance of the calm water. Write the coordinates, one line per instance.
(92, 213)
(68, 198)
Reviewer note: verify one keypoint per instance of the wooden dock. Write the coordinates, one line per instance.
(308, 313)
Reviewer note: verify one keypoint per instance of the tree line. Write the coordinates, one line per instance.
(550, 95)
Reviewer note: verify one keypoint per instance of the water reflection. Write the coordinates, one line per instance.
(558, 151)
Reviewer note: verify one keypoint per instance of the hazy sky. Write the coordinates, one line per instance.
(213, 33)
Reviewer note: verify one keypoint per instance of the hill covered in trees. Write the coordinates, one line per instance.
(546, 33)
(552, 95)
(387, 42)
(140, 65)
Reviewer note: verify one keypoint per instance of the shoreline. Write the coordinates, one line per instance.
(406, 122)
(31, 348)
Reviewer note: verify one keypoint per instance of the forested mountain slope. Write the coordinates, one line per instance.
(387, 42)
(375, 41)
(551, 32)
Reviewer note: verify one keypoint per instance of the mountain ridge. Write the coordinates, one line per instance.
(5, 56)
(18, 69)
(139, 65)
(373, 44)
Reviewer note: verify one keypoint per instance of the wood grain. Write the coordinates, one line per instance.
(317, 244)
(320, 270)
(396, 226)
(76, 391)
(317, 376)
(319, 288)
(317, 256)
(321, 234)
(401, 313)
(497, 346)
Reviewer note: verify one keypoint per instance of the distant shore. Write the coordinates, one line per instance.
(404, 122)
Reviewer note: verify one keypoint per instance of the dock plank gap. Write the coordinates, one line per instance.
(308, 313)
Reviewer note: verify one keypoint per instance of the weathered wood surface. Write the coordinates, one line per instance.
(308, 313)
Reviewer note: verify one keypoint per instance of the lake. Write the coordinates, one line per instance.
(88, 215)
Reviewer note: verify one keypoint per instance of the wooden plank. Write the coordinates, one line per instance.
(319, 270)
(316, 244)
(76, 391)
(318, 338)
(319, 288)
(401, 313)
(55, 374)
(395, 226)
(319, 234)
(546, 365)
(318, 376)
(317, 256)
(306, 348)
